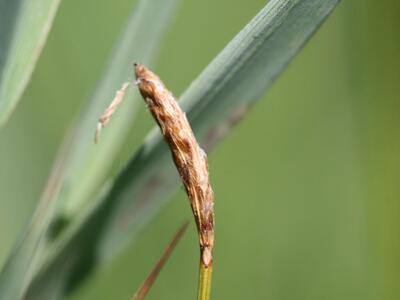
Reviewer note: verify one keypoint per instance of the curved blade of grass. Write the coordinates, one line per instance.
(84, 169)
(90, 163)
(214, 102)
(24, 26)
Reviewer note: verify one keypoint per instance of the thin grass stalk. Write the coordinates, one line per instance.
(205, 279)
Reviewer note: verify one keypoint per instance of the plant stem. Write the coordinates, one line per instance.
(205, 278)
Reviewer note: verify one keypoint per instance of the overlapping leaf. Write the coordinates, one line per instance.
(214, 102)
(24, 26)
(82, 167)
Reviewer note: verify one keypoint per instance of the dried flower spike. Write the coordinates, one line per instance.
(189, 158)
(105, 117)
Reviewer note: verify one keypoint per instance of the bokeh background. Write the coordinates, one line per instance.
(307, 185)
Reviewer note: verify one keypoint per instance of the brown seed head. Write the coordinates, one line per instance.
(189, 158)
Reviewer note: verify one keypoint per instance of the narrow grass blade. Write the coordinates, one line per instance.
(20, 265)
(151, 278)
(24, 26)
(89, 163)
(85, 165)
(214, 102)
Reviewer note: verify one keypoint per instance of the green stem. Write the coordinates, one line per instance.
(205, 277)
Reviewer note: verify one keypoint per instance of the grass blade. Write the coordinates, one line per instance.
(89, 163)
(84, 169)
(20, 265)
(24, 26)
(214, 102)
(151, 278)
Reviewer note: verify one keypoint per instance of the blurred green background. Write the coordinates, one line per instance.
(307, 186)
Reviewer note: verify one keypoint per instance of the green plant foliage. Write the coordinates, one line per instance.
(24, 26)
(82, 167)
(218, 98)
(306, 186)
